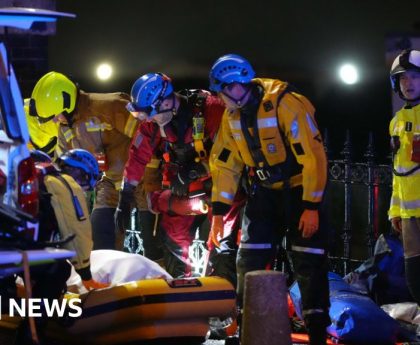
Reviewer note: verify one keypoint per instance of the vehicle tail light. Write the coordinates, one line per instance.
(28, 189)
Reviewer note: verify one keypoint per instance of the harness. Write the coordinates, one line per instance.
(183, 153)
(263, 172)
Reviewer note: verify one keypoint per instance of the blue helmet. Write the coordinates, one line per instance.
(148, 92)
(40, 156)
(84, 160)
(230, 68)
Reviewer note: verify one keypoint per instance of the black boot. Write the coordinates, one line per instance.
(316, 324)
(412, 274)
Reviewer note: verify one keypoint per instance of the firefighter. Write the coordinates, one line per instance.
(268, 130)
(179, 128)
(98, 123)
(59, 190)
(404, 211)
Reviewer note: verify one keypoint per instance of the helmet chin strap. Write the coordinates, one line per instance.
(238, 102)
(69, 118)
(408, 100)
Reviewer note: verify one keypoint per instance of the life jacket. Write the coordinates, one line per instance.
(64, 212)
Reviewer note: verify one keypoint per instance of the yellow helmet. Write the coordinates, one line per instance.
(53, 94)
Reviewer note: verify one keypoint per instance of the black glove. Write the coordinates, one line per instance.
(122, 215)
(180, 184)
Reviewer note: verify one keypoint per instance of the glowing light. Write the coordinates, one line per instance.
(104, 71)
(349, 74)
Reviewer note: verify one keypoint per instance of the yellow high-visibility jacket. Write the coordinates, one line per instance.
(294, 117)
(43, 136)
(405, 200)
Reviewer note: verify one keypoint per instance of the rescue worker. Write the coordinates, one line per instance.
(404, 211)
(63, 207)
(179, 127)
(270, 131)
(100, 124)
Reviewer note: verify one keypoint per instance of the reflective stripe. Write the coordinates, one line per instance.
(92, 126)
(312, 311)
(318, 251)
(226, 195)
(130, 126)
(407, 205)
(267, 122)
(395, 201)
(262, 123)
(235, 124)
(311, 123)
(294, 129)
(96, 127)
(403, 170)
(255, 245)
(68, 135)
(410, 205)
(318, 194)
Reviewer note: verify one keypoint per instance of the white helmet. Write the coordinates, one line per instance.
(408, 60)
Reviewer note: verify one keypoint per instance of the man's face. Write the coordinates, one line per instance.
(410, 85)
(165, 112)
(235, 95)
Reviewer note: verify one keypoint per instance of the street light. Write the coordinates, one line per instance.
(349, 74)
(104, 71)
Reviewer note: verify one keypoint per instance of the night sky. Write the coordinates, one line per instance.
(300, 41)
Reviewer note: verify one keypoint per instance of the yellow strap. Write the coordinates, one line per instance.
(199, 148)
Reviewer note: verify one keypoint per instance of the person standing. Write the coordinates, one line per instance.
(268, 130)
(404, 128)
(179, 128)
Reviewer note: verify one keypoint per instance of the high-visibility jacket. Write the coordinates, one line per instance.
(288, 122)
(405, 200)
(43, 136)
(101, 125)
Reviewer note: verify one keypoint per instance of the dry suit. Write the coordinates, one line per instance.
(405, 201)
(274, 138)
(185, 164)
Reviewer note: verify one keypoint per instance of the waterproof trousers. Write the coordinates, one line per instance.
(268, 215)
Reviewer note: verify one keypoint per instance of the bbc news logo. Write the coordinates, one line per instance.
(31, 307)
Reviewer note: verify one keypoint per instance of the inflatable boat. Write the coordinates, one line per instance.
(147, 310)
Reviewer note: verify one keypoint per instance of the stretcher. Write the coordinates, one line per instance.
(147, 310)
